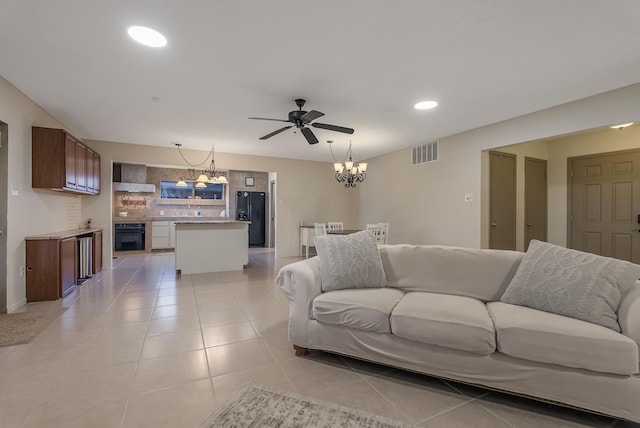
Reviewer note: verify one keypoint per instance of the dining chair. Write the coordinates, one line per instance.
(321, 229)
(334, 225)
(380, 232)
(385, 232)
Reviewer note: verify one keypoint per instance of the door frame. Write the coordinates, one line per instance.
(4, 205)
(570, 183)
(546, 198)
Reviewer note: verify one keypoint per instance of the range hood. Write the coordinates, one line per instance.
(134, 187)
(128, 177)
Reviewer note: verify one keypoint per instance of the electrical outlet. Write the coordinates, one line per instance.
(468, 197)
(21, 271)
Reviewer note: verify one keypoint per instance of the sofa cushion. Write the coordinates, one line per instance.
(483, 274)
(456, 322)
(349, 261)
(367, 309)
(572, 283)
(541, 336)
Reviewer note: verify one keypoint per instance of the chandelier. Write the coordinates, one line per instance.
(349, 172)
(217, 177)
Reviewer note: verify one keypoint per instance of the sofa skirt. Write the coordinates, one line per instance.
(608, 394)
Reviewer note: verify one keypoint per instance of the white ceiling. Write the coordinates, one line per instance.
(363, 63)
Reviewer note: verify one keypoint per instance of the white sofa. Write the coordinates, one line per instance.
(440, 314)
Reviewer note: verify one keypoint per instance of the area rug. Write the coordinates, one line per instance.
(21, 327)
(259, 406)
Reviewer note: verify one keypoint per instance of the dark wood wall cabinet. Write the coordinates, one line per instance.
(63, 163)
(52, 263)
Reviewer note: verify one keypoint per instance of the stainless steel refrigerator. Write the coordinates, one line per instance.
(251, 206)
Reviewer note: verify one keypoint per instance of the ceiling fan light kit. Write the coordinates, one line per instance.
(301, 119)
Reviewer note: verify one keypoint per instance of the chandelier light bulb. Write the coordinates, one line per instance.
(362, 166)
(348, 165)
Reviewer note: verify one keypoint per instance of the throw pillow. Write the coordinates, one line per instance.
(571, 283)
(349, 261)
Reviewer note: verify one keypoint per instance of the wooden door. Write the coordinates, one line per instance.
(70, 161)
(535, 200)
(604, 205)
(43, 274)
(502, 201)
(81, 167)
(68, 257)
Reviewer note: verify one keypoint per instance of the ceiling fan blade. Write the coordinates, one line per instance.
(266, 118)
(311, 115)
(275, 132)
(308, 134)
(333, 128)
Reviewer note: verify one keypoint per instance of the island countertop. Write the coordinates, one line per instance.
(211, 222)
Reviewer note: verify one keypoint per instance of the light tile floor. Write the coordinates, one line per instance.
(137, 347)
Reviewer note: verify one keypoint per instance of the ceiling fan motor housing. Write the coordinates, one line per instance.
(295, 116)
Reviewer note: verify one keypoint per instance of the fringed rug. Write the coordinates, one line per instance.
(21, 327)
(259, 406)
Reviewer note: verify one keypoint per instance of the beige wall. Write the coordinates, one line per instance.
(33, 211)
(425, 204)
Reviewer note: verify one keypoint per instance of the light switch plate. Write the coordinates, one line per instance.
(468, 197)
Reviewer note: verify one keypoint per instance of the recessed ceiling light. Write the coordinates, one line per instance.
(624, 125)
(425, 105)
(147, 36)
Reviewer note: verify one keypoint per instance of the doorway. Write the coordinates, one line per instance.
(502, 201)
(535, 200)
(4, 178)
(604, 215)
(272, 213)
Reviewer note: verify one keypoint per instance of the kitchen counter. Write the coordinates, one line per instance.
(211, 246)
(63, 235)
(130, 219)
(199, 221)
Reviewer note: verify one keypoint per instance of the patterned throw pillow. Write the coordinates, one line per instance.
(349, 261)
(571, 283)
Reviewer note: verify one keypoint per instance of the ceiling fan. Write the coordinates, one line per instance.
(300, 119)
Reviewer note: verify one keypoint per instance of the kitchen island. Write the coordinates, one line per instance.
(211, 246)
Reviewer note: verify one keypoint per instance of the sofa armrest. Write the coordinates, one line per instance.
(300, 282)
(629, 313)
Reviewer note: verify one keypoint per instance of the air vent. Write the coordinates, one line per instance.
(427, 152)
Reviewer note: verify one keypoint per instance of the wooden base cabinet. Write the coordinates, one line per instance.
(51, 268)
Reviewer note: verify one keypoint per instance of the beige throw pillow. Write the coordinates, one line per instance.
(349, 261)
(572, 283)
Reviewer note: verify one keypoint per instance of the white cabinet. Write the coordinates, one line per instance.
(160, 235)
(172, 234)
(163, 235)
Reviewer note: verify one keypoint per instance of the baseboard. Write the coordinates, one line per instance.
(16, 305)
